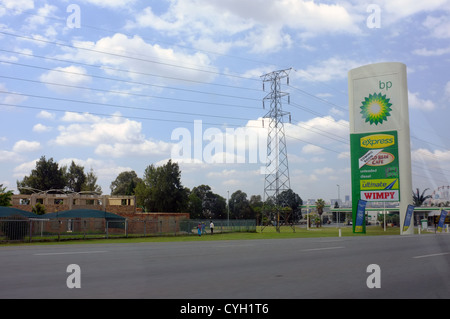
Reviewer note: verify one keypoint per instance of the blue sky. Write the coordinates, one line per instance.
(111, 93)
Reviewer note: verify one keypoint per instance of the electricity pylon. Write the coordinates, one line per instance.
(277, 168)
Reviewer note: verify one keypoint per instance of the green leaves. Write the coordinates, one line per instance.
(161, 189)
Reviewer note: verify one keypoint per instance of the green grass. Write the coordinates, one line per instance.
(267, 233)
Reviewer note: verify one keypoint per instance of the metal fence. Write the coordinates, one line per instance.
(35, 230)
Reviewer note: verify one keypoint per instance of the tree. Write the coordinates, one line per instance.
(212, 205)
(161, 189)
(320, 204)
(195, 208)
(5, 196)
(49, 176)
(39, 209)
(125, 183)
(256, 205)
(419, 199)
(46, 176)
(75, 178)
(292, 200)
(240, 206)
(219, 207)
(90, 184)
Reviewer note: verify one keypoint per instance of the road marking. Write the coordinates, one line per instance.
(318, 249)
(71, 253)
(433, 255)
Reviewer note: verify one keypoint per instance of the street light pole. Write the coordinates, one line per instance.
(339, 199)
(228, 210)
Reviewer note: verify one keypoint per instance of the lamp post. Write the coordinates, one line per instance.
(228, 210)
(339, 199)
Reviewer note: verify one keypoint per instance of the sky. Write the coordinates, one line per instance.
(120, 85)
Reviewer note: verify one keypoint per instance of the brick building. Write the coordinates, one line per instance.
(124, 206)
(63, 202)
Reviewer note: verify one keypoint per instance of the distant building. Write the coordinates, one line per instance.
(333, 202)
(440, 195)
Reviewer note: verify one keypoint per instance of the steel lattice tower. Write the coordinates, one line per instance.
(277, 168)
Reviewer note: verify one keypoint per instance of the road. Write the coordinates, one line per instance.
(410, 267)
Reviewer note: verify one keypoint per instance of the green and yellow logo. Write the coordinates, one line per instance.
(379, 184)
(378, 141)
(376, 108)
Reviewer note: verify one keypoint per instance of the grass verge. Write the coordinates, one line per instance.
(266, 233)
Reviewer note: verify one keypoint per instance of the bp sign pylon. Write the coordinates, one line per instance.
(380, 138)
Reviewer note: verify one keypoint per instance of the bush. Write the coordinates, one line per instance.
(15, 227)
(39, 209)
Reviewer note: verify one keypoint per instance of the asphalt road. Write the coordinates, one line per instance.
(410, 267)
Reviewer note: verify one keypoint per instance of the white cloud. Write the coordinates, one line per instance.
(41, 17)
(224, 173)
(111, 4)
(40, 128)
(438, 26)
(400, 9)
(90, 130)
(120, 52)
(435, 157)
(80, 118)
(105, 170)
(144, 148)
(334, 68)
(24, 169)
(114, 137)
(324, 171)
(7, 156)
(434, 164)
(432, 52)
(257, 24)
(447, 90)
(324, 130)
(15, 6)
(416, 102)
(10, 99)
(46, 115)
(312, 149)
(71, 77)
(26, 146)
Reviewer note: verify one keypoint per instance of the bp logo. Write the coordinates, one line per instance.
(376, 108)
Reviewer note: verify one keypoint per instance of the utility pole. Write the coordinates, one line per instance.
(277, 168)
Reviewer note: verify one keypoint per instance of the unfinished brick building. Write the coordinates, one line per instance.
(62, 202)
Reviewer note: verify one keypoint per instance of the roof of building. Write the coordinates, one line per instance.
(6, 211)
(83, 213)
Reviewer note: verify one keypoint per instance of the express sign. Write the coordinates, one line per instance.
(375, 172)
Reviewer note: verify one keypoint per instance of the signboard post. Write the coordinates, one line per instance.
(408, 217)
(441, 223)
(359, 226)
(380, 137)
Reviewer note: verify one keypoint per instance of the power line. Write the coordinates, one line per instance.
(112, 115)
(121, 106)
(123, 93)
(145, 38)
(104, 67)
(318, 98)
(322, 100)
(207, 123)
(125, 56)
